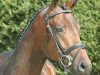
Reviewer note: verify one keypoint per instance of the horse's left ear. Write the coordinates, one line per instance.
(53, 5)
(71, 3)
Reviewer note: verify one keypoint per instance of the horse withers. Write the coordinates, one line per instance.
(52, 34)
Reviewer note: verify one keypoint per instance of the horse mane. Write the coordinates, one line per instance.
(29, 22)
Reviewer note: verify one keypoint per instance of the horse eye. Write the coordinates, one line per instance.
(59, 29)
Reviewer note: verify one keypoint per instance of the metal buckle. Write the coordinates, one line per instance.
(65, 59)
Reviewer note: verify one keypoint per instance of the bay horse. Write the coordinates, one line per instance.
(52, 34)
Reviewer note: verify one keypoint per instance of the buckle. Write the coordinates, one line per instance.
(65, 61)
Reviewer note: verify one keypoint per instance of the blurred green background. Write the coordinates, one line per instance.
(14, 15)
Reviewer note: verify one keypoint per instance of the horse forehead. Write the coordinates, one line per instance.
(64, 19)
(70, 17)
(59, 19)
(69, 20)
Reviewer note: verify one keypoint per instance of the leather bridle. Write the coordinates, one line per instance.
(64, 54)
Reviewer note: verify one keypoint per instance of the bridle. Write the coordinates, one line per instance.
(64, 54)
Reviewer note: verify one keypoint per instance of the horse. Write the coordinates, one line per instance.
(52, 34)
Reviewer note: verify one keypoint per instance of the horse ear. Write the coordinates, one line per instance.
(71, 3)
(53, 5)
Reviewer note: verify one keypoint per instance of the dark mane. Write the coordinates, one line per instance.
(29, 22)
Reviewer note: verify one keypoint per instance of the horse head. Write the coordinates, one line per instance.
(63, 42)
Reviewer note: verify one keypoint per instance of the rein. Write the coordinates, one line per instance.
(64, 54)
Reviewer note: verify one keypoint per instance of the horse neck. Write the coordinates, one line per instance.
(28, 58)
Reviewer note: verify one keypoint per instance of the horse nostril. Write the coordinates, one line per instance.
(82, 66)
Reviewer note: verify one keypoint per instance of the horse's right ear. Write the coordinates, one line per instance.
(71, 3)
(53, 5)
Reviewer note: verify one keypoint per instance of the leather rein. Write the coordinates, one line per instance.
(64, 54)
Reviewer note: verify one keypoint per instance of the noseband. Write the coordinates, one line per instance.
(64, 54)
